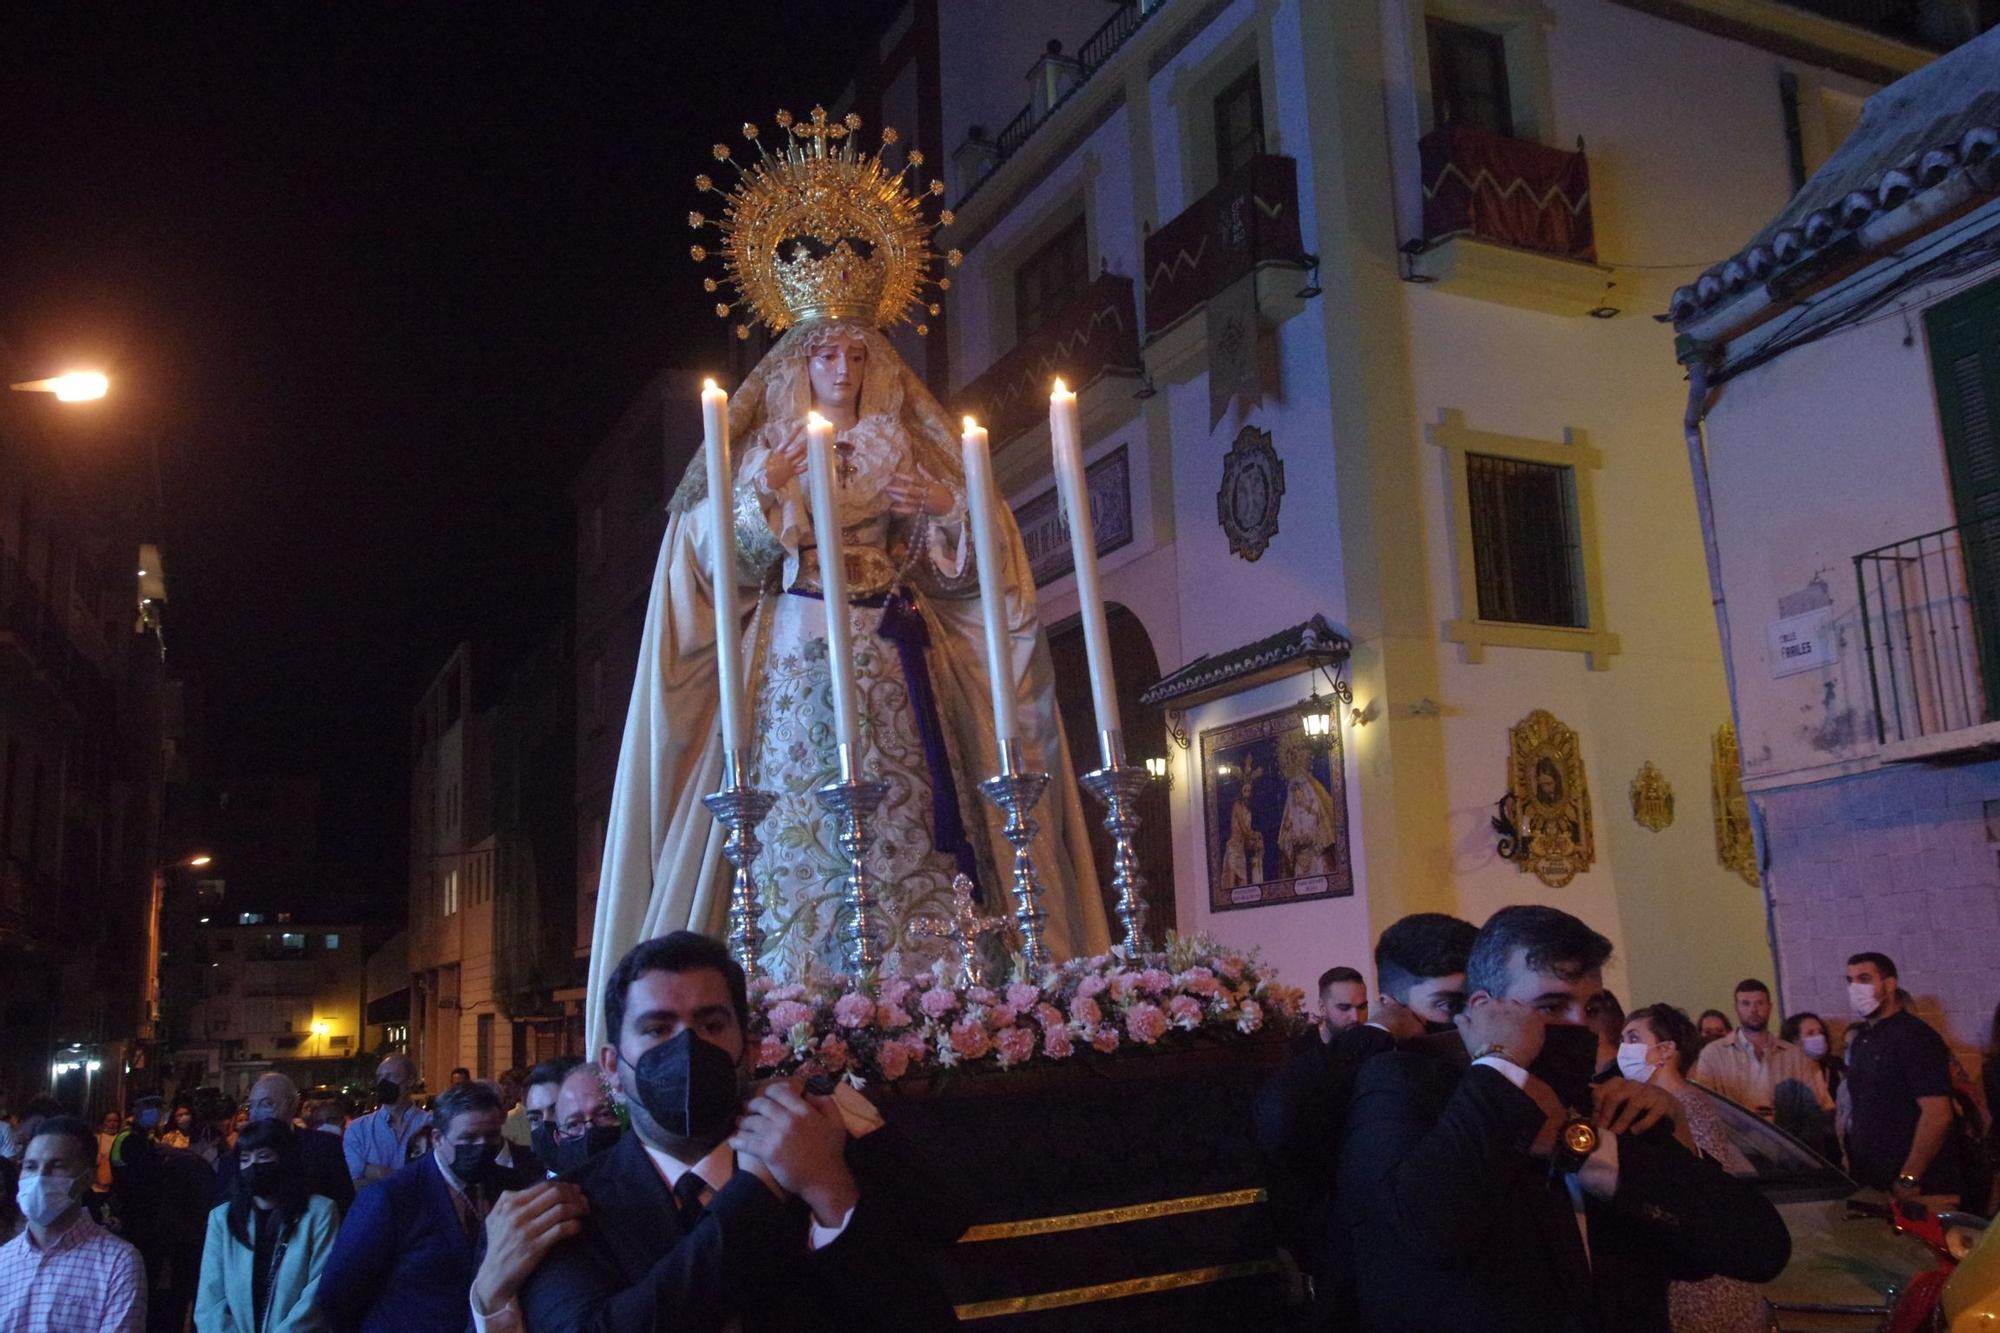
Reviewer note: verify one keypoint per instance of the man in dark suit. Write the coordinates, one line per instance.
(407, 1252)
(1298, 1114)
(1488, 1184)
(317, 1157)
(793, 1212)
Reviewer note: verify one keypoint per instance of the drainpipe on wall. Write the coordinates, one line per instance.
(1698, 356)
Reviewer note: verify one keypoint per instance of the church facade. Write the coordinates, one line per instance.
(1358, 300)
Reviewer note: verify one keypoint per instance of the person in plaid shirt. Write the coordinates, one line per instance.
(65, 1273)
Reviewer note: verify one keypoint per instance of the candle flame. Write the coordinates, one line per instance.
(710, 386)
(1061, 389)
(815, 419)
(970, 424)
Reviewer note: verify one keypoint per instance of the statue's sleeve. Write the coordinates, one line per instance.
(946, 568)
(767, 520)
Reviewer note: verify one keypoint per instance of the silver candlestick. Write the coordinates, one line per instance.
(740, 808)
(1118, 784)
(1016, 792)
(853, 800)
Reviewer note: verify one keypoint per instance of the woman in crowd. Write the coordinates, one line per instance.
(1808, 1032)
(1659, 1047)
(266, 1247)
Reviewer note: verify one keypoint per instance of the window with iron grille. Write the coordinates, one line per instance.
(1469, 77)
(1049, 277)
(1527, 552)
(1239, 124)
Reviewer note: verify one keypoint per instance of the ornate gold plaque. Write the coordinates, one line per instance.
(1553, 799)
(1652, 798)
(1735, 847)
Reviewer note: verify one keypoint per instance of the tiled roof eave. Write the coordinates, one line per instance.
(1312, 643)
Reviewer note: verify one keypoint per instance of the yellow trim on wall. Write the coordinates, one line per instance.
(1457, 440)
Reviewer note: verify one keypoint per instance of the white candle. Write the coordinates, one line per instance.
(833, 586)
(983, 504)
(1074, 489)
(722, 573)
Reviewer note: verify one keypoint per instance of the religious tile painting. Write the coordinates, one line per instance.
(1276, 811)
(1045, 528)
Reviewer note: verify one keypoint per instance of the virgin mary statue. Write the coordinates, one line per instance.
(826, 246)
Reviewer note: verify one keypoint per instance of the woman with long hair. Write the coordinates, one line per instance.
(1659, 1047)
(267, 1245)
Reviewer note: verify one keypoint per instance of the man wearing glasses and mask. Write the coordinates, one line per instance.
(722, 1208)
(378, 1144)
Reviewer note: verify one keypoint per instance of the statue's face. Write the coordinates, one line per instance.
(837, 366)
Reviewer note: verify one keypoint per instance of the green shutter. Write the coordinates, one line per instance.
(1965, 360)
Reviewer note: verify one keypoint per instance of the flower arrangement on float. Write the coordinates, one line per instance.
(884, 1028)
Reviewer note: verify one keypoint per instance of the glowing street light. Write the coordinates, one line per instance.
(199, 860)
(76, 386)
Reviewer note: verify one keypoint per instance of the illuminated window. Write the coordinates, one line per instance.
(450, 892)
(332, 941)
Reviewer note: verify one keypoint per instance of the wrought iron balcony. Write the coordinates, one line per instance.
(1503, 190)
(1930, 626)
(1094, 335)
(1249, 220)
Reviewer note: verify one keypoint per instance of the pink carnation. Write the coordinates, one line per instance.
(1000, 1016)
(1250, 1017)
(833, 1054)
(1016, 1045)
(969, 1039)
(1084, 1010)
(788, 1014)
(1023, 996)
(1185, 1012)
(789, 992)
(853, 1010)
(889, 1017)
(980, 995)
(1056, 1042)
(1232, 968)
(1090, 986)
(894, 991)
(1048, 1016)
(1153, 981)
(915, 1048)
(1145, 1024)
(1198, 980)
(937, 1003)
(892, 1060)
(772, 1052)
(1105, 1039)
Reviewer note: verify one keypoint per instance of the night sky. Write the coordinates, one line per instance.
(378, 281)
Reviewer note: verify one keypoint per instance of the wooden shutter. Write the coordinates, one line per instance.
(1965, 360)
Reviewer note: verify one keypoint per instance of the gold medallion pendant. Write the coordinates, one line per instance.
(1652, 798)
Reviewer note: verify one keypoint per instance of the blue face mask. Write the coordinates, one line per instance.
(148, 1118)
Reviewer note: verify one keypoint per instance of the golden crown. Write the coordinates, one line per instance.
(818, 230)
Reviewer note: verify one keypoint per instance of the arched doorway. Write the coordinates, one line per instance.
(1145, 729)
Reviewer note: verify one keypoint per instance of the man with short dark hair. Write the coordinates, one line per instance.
(64, 1273)
(538, 1104)
(1757, 1069)
(1487, 1182)
(1343, 1001)
(1899, 1086)
(408, 1250)
(795, 1211)
(1299, 1114)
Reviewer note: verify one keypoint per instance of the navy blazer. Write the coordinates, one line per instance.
(403, 1260)
(636, 1269)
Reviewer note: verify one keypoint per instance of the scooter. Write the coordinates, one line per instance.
(1949, 1236)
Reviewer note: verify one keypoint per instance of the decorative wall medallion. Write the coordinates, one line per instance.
(1735, 845)
(1253, 482)
(1652, 798)
(1551, 798)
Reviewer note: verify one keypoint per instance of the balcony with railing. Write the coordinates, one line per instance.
(1244, 224)
(1509, 221)
(1930, 628)
(1092, 337)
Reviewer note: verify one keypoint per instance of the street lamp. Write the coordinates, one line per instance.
(199, 860)
(76, 386)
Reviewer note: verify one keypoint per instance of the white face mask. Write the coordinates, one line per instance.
(1861, 998)
(44, 1199)
(1814, 1044)
(1635, 1062)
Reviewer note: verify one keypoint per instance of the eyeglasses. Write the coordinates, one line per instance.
(576, 1126)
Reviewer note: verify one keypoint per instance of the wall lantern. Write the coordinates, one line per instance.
(1160, 771)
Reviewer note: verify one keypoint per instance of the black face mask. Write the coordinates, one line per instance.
(263, 1177)
(687, 1085)
(389, 1091)
(573, 1153)
(1433, 1028)
(542, 1139)
(474, 1163)
(1567, 1062)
